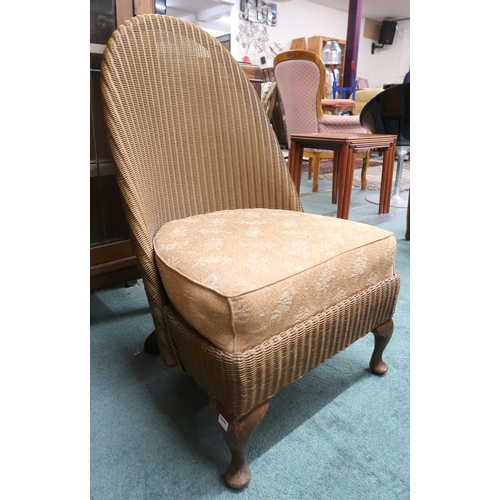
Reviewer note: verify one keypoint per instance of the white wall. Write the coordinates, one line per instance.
(301, 18)
(387, 65)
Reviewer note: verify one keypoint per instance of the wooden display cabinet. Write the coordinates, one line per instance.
(254, 74)
(112, 257)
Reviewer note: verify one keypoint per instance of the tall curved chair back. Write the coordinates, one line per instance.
(301, 78)
(229, 159)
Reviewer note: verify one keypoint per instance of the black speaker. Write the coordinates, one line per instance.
(387, 31)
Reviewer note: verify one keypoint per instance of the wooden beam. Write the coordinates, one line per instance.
(144, 7)
(124, 10)
(372, 30)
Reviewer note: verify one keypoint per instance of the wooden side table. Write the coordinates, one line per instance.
(345, 145)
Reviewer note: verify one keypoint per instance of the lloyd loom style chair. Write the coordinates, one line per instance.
(268, 97)
(247, 292)
(301, 77)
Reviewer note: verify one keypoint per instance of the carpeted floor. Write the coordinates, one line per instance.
(337, 433)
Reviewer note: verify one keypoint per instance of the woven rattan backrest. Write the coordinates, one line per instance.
(188, 134)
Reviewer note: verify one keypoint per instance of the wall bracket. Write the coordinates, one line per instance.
(376, 47)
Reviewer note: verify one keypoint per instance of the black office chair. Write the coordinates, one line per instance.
(389, 113)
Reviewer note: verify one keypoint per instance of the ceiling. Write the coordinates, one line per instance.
(376, 10)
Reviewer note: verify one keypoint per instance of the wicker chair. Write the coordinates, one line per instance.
(268, 97)
(247, 292)
(277, 114)
(301, 77)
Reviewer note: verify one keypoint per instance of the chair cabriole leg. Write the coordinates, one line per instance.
(237, 432)
(383, 334)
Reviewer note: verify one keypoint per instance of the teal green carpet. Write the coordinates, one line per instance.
(338, 433)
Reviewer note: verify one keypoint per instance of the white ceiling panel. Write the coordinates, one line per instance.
(376, 10)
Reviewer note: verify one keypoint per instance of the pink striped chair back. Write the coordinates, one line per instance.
(300, 82)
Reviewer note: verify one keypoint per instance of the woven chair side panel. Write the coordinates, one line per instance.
(153, 286)
(188, 135)
(242, 381)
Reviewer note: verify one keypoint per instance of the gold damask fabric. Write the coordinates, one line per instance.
(239, 277)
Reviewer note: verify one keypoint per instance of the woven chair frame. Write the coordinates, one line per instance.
(241, 381)
(189, 135)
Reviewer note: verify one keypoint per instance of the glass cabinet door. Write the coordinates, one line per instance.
(112, 258)
(102, 20)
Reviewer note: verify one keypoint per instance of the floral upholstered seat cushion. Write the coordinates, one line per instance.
(240, 277)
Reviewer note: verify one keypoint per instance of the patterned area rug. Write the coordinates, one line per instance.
(373, 174)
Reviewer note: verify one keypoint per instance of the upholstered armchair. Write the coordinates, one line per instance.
(301, 77)
(362, 97)
(247, 292)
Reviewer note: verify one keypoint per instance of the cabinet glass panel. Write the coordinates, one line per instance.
(107, 220)
(102, 20)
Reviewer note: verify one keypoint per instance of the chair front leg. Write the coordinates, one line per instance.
(237, 432)
(383, 334)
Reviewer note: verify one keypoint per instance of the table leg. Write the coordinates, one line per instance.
(315, 169)
(392, 157)
(383, 181)
(344, 162)
(335, 177)
(295, 163)
(386, 181)
(407, 233)
(348, 184)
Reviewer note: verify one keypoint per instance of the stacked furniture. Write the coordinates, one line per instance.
(301, 77)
